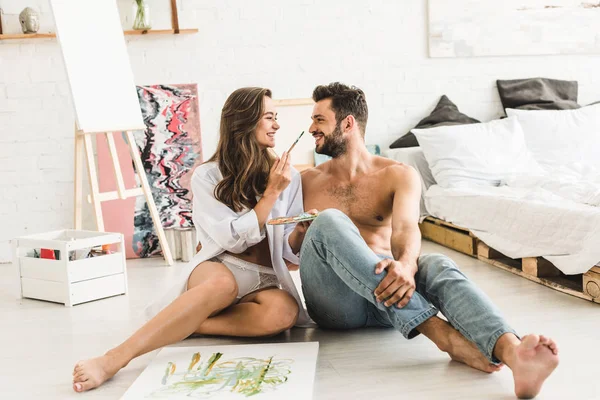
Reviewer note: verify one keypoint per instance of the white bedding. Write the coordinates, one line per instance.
(527, 221)
(528, 185)
(577, 182)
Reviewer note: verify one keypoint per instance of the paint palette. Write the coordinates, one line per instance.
(293, 220)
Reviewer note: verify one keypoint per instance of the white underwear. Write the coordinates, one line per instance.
(249, 277)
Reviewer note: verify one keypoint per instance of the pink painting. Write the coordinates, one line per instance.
(170, 149)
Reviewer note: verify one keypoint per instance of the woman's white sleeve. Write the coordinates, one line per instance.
(295, 207)
(229, 230)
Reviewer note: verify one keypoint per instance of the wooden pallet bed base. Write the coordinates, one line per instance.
(449, 235)
(585, 286)
(537, 269)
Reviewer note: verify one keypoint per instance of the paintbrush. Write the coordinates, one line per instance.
(295, 142)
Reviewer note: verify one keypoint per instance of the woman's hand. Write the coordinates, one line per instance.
(280, 175)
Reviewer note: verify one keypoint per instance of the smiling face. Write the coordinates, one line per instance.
(329, 138)
(267, 125)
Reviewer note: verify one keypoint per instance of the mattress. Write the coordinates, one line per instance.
(524, 222)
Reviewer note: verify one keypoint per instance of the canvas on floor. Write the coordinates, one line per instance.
(257, 371)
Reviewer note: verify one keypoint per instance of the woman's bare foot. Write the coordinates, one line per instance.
(94, 372)
(535, 359)
(462, 350)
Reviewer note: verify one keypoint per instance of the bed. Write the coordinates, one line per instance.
(532, 229)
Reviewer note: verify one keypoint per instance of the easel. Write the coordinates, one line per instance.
(83, 141)
(100, 79)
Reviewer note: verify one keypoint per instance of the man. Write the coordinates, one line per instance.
(360, 260)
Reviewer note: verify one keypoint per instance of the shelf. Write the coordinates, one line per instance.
(160, 32)
(127, 33)
(8, 36)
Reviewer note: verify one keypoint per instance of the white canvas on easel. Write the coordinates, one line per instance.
(104, 97)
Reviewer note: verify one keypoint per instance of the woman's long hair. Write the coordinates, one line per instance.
(243, 163)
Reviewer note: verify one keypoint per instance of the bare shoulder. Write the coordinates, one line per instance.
(314, 172)
(393, 167)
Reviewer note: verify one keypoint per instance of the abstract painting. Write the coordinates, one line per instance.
(170, 149)
(476, 28)
(258, 371)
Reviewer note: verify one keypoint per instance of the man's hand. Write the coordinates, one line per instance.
(398, 285)
(302, 227)
(297, 236)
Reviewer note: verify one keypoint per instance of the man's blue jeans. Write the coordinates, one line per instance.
(337, 270)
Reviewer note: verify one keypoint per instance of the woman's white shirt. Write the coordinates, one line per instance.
(221, 229)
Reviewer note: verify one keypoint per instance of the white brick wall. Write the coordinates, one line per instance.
(288, 46)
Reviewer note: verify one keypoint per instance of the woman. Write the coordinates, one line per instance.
(231, 286)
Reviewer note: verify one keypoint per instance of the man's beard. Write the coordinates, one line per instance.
(333, 145)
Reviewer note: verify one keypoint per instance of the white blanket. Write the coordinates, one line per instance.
(577, 182)
(527, 221)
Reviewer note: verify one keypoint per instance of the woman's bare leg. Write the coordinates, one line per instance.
(211, 288)
(262, 313)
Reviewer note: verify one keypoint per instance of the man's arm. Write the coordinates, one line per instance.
(398, 285)
(406, 236)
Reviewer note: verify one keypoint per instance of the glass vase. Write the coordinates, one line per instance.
(141, 15)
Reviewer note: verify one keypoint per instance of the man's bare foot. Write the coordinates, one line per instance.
(94, 372)
(462, 350)
(535, 359)
(451, 341)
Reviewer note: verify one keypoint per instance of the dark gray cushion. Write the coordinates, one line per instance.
(445, 113)
(538, 94)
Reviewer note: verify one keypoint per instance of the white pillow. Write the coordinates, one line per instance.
(562, 137)
(477, 154)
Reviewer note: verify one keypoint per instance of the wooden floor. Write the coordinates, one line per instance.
(41, 341)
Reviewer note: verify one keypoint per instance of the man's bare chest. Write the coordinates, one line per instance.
(363, 202)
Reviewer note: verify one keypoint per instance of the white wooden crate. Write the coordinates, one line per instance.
(70, 282)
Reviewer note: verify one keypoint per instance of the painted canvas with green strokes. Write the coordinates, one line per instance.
(257, 371)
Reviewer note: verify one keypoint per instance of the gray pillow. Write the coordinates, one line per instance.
(538, 94)
(445, 113)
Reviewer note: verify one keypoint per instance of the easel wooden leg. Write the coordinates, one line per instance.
(110, 139)
(78, 186)
(139, 167)
(93, 176)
